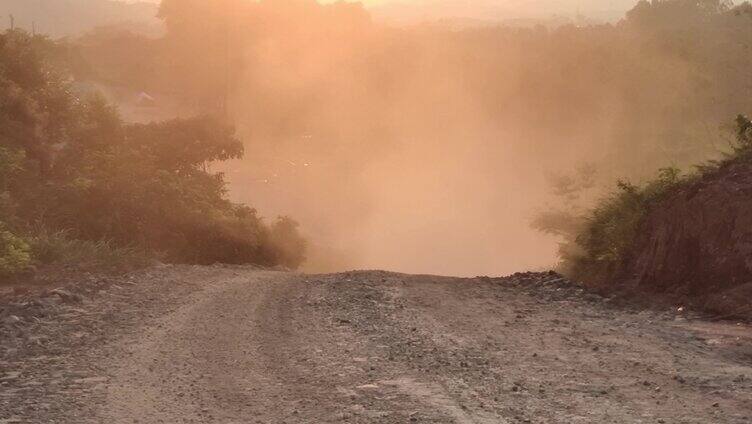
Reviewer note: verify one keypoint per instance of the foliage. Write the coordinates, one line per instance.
(58, 247)
(743, 146)
(288, 246)
(68, 163)
(567, 219)
(611, 226)
(15, 253)
(659, 13)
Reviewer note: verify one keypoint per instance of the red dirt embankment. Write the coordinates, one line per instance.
(696, 244)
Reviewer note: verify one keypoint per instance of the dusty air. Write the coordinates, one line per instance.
(377, 211)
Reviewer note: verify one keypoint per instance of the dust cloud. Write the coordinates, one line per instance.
(386, 153)
(426, 148)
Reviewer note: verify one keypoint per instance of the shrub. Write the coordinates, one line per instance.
(610, 228)
(58, 248)
(288, 246)
(15, 253)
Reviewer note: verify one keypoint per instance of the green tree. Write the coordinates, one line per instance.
(70, 165)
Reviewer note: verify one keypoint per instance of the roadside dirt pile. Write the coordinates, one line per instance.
(696, 244)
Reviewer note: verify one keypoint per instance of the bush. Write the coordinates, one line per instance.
(610, 228)
(286, 242)
(58, 248)
(15, 253)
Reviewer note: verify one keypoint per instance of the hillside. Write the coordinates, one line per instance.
(695, 243)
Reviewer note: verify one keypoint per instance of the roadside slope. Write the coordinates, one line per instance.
(242, 345)
(695, 244)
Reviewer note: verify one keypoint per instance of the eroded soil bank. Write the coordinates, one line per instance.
(233, 344)
(695, 245)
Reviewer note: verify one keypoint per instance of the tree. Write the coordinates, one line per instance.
(69, 163)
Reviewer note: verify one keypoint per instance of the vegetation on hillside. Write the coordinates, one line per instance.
(597, 240)
(70, 167)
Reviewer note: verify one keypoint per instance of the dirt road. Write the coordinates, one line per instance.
(237, 345)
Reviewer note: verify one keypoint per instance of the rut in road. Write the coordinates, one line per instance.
(246, 346)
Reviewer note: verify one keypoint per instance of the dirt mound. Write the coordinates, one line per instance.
(696, 244)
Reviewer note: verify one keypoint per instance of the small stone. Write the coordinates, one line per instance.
(66, 296)
(90, 380)
(11, 320)
(368, 387)
(12, 375)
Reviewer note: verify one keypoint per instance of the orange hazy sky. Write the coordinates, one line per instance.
(492, 9)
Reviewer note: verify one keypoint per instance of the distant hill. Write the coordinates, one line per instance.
(60, 18)
(534, 11)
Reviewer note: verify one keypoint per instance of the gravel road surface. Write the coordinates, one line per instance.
(222, 344)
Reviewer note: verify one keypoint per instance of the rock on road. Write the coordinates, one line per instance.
(182, 344)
